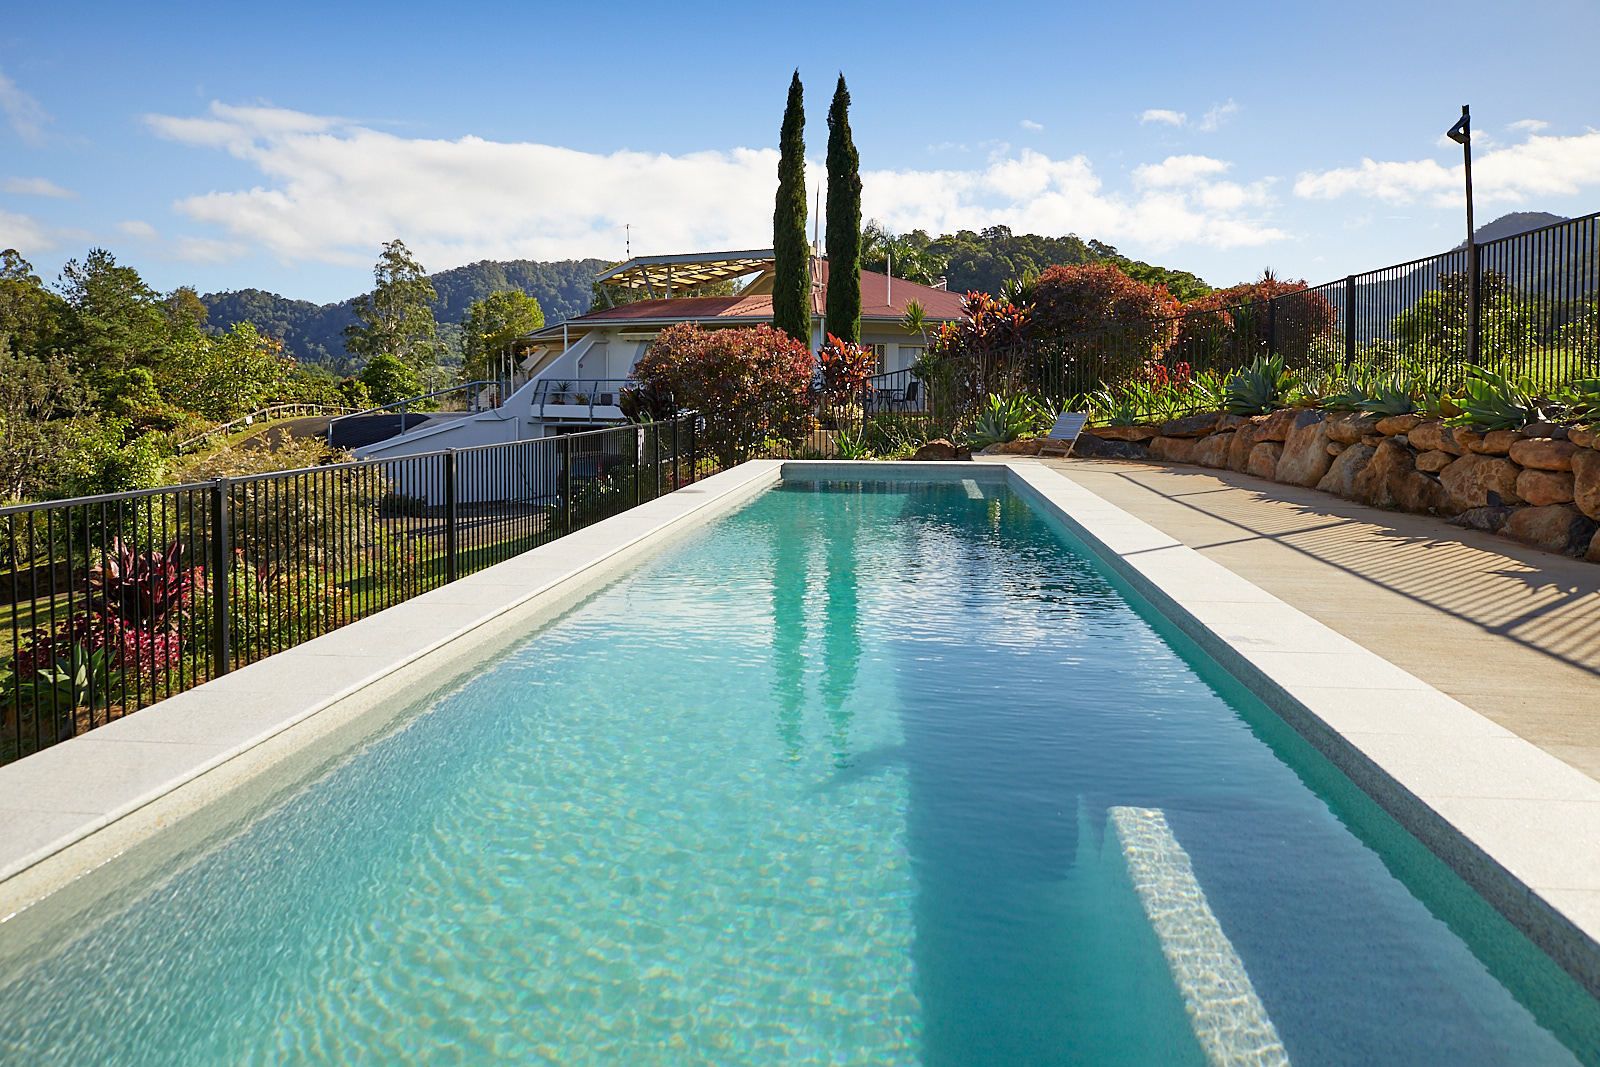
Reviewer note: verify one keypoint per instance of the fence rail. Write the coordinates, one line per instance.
(113, 602)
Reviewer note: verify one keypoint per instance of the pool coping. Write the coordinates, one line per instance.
(1482, 799)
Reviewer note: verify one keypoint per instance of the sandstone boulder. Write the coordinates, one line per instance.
(1582, 436)
(1232, 422)
(1091, 446)
(1349, 427)
(1347, 466)
(1264, 459)
(1242, 444)
(1431, 435)
(1212, 451)
(1394, 425)
(1029, 447)
(1539, 487)
(1391, 480)
(1586, 481)
(1487, 519)
(1124, 433)
(1497, 442)
(1593, 554)
(1474, 481)
(1546, 430)
(1305, 456)
(1276, 426)
(1334, 448)
(940, 448)
(1173, 449)
(1544, 453)
(1434, 462)
(1191, 425)
(1554, 528)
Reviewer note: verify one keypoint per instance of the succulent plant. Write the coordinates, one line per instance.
(1491, 401)
(1391, 397)
(1258, 388)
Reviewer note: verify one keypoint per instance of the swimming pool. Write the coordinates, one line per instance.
(860, 773)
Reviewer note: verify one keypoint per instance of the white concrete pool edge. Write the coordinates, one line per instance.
(72, 806)
(1519, 825)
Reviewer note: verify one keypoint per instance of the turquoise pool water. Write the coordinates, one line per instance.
(831, 782)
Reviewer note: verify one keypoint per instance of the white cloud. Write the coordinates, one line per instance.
(207, 250)
(1216, 116)
(332, 191)
(26, 234)
(1029, 124)
(138, 229)
(1528, 125)
(1179, 170)
(37, 187)
(23, 112)
(1164, 116)
(1539, 166)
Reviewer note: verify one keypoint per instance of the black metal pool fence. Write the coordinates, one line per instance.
(114, 602)
(1533, 314)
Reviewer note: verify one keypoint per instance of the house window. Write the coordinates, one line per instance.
(909, 354)
(880, 359)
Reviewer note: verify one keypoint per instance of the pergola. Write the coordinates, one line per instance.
(659, 275)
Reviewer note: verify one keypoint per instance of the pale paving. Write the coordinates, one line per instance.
(1510, 631)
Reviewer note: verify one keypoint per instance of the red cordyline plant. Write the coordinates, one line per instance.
(846, 370)
(140, 598)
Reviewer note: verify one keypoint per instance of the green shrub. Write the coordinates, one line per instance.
(1392, 397)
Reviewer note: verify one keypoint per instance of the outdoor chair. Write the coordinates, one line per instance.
(1064, 433)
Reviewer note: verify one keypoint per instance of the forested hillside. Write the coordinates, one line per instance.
(984, 261)
(314, 333)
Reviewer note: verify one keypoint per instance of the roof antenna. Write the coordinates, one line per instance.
(627, 241)
(888, 279)
(816, 218)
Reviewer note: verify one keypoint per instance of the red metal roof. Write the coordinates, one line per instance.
(881, 299)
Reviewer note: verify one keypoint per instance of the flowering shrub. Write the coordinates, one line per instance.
(749, 385)
(1231, 327)
(1077, 306)
(846, 368)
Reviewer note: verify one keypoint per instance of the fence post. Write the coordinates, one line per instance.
(638, 465)
(221, 568)
(1474, 302)
(694, 448)
(566, 483)
(675, 475)
(1349, 322)
(1272, 326)
(655, 455)
(452, 517)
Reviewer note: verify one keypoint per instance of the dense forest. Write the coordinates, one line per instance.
(314, 333)
(987, 260)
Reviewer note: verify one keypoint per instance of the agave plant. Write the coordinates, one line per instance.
(1491, 401)
(1257, 388)
(1003, 419)
(1582, 399)
(1392, 397)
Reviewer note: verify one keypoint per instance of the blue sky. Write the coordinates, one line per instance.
(228, 146)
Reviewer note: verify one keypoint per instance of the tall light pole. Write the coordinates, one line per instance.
(1461, 134)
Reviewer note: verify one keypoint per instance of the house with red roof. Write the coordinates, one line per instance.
(570, 373)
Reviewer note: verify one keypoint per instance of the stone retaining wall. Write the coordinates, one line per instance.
(1539, 485)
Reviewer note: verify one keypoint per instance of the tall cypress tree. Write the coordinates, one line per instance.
(791, 294)
(844, 222)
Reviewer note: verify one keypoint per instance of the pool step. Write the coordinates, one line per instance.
(971, 486)
(1227, 1016)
